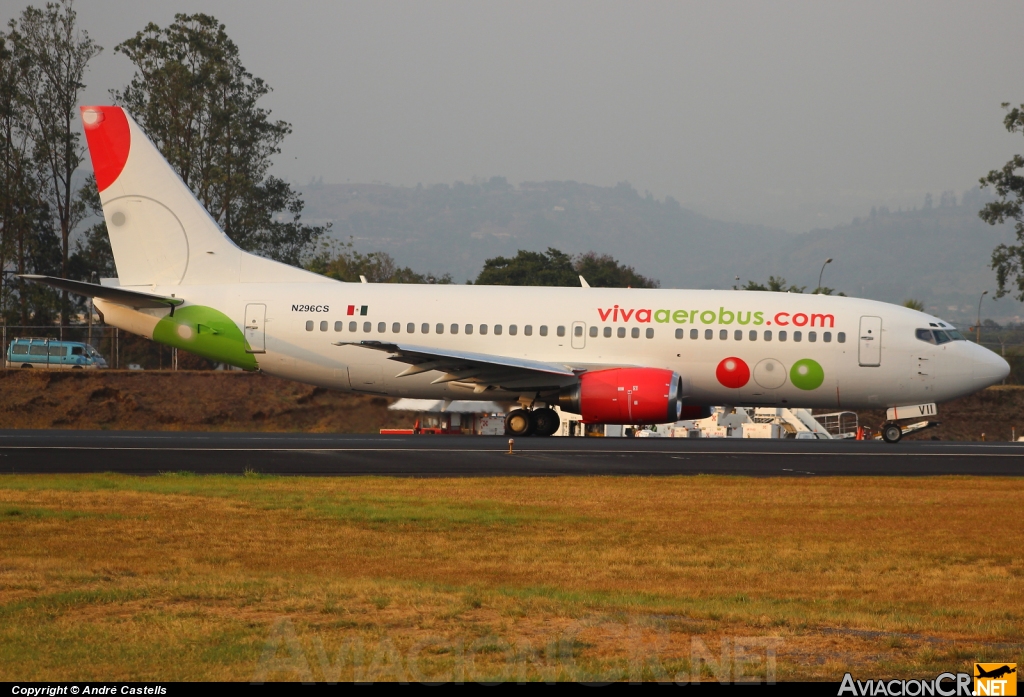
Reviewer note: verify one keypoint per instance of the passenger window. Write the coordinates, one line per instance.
(679, 333)
(382, 327)
(782, 335)
(767, 334)
(513, 330)
(455, 329)
(738, 335)
(323, 326)
(560, 331)
(366, 327)
(410, 328)
(812, 336)
(309, 325)
(543, 330)
(635, 332)
(649, 333)
(483, 328)
(77, 351)
(352, 326)
(528, 330)
(621, 332)
(396, 328)
(593, 331)
(577, 330)
(469, 328)
(424, 328)
(338, 326)
(798, 336)
(693, 333)
(827, 337)
(723, 334)
(753, 335)
(708, 334)
(841, 337)
(925, 335)
(497, 329)
(439, 328)
(607, 332)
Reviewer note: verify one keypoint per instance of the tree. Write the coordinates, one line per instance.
(776, 285)
(914, 304)
(344, 263)
(28, 243)
(1008, 260)
(56, 54)
(197, 102)
(605, 272)
(556, 268)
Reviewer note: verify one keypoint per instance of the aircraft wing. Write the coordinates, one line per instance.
(477, 370)
(121, 296)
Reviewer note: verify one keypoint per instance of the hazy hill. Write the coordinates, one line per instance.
(939, 255)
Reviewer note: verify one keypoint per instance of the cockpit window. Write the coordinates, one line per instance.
(939, 336)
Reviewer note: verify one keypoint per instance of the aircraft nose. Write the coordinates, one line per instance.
(989, 367)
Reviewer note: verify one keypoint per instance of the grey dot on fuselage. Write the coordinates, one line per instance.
(117, 219)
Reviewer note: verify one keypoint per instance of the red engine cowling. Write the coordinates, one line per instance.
(625, 396)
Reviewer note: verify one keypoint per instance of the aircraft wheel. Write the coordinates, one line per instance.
(892, 433)
(518, 423)
(545, 421)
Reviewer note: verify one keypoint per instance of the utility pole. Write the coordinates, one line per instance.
(977, 327)
(827, 262)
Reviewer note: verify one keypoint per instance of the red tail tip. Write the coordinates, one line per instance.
(106, 130)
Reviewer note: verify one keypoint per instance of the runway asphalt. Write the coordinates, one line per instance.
(139, 452)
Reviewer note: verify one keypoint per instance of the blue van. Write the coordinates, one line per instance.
(52, 354)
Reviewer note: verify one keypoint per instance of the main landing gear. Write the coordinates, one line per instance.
(891, 432)
(539, 422)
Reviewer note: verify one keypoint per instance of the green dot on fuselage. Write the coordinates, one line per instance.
(807, 374)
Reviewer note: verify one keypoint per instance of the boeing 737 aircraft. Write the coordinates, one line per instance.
(617, 356)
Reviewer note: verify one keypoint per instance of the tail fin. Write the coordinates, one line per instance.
(159, 232)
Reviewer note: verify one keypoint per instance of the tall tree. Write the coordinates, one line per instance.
(1008, 259)
(56, 54)
(556, 268)
(343, 262)
(195, 99)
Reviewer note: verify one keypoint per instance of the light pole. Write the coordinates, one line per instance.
(978, 326)
(827, 262)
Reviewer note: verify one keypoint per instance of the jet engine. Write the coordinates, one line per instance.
(625, 396)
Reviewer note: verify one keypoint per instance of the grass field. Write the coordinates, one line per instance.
(180, 577)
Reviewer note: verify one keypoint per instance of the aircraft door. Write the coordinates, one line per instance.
(870, 348)
(255, 331)
(579, 335)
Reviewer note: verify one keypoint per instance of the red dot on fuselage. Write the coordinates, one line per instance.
(733, 372)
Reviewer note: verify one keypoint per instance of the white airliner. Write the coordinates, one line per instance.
(619, 356)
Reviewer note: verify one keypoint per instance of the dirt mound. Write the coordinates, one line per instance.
(185, 401)
(237, 401)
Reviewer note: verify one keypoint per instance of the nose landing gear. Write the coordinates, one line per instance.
(539, 422)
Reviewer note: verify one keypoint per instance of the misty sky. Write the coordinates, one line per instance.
(791, 114)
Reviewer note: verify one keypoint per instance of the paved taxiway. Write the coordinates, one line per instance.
(135, 452)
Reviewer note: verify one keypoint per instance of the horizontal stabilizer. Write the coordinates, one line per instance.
(121, 296)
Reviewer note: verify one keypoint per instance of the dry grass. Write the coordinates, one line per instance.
(183, 577)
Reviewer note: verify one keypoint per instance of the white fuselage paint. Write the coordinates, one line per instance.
(909, 371)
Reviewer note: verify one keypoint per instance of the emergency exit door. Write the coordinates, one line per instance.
(870, 350)
(579, 335)
(255, 332)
